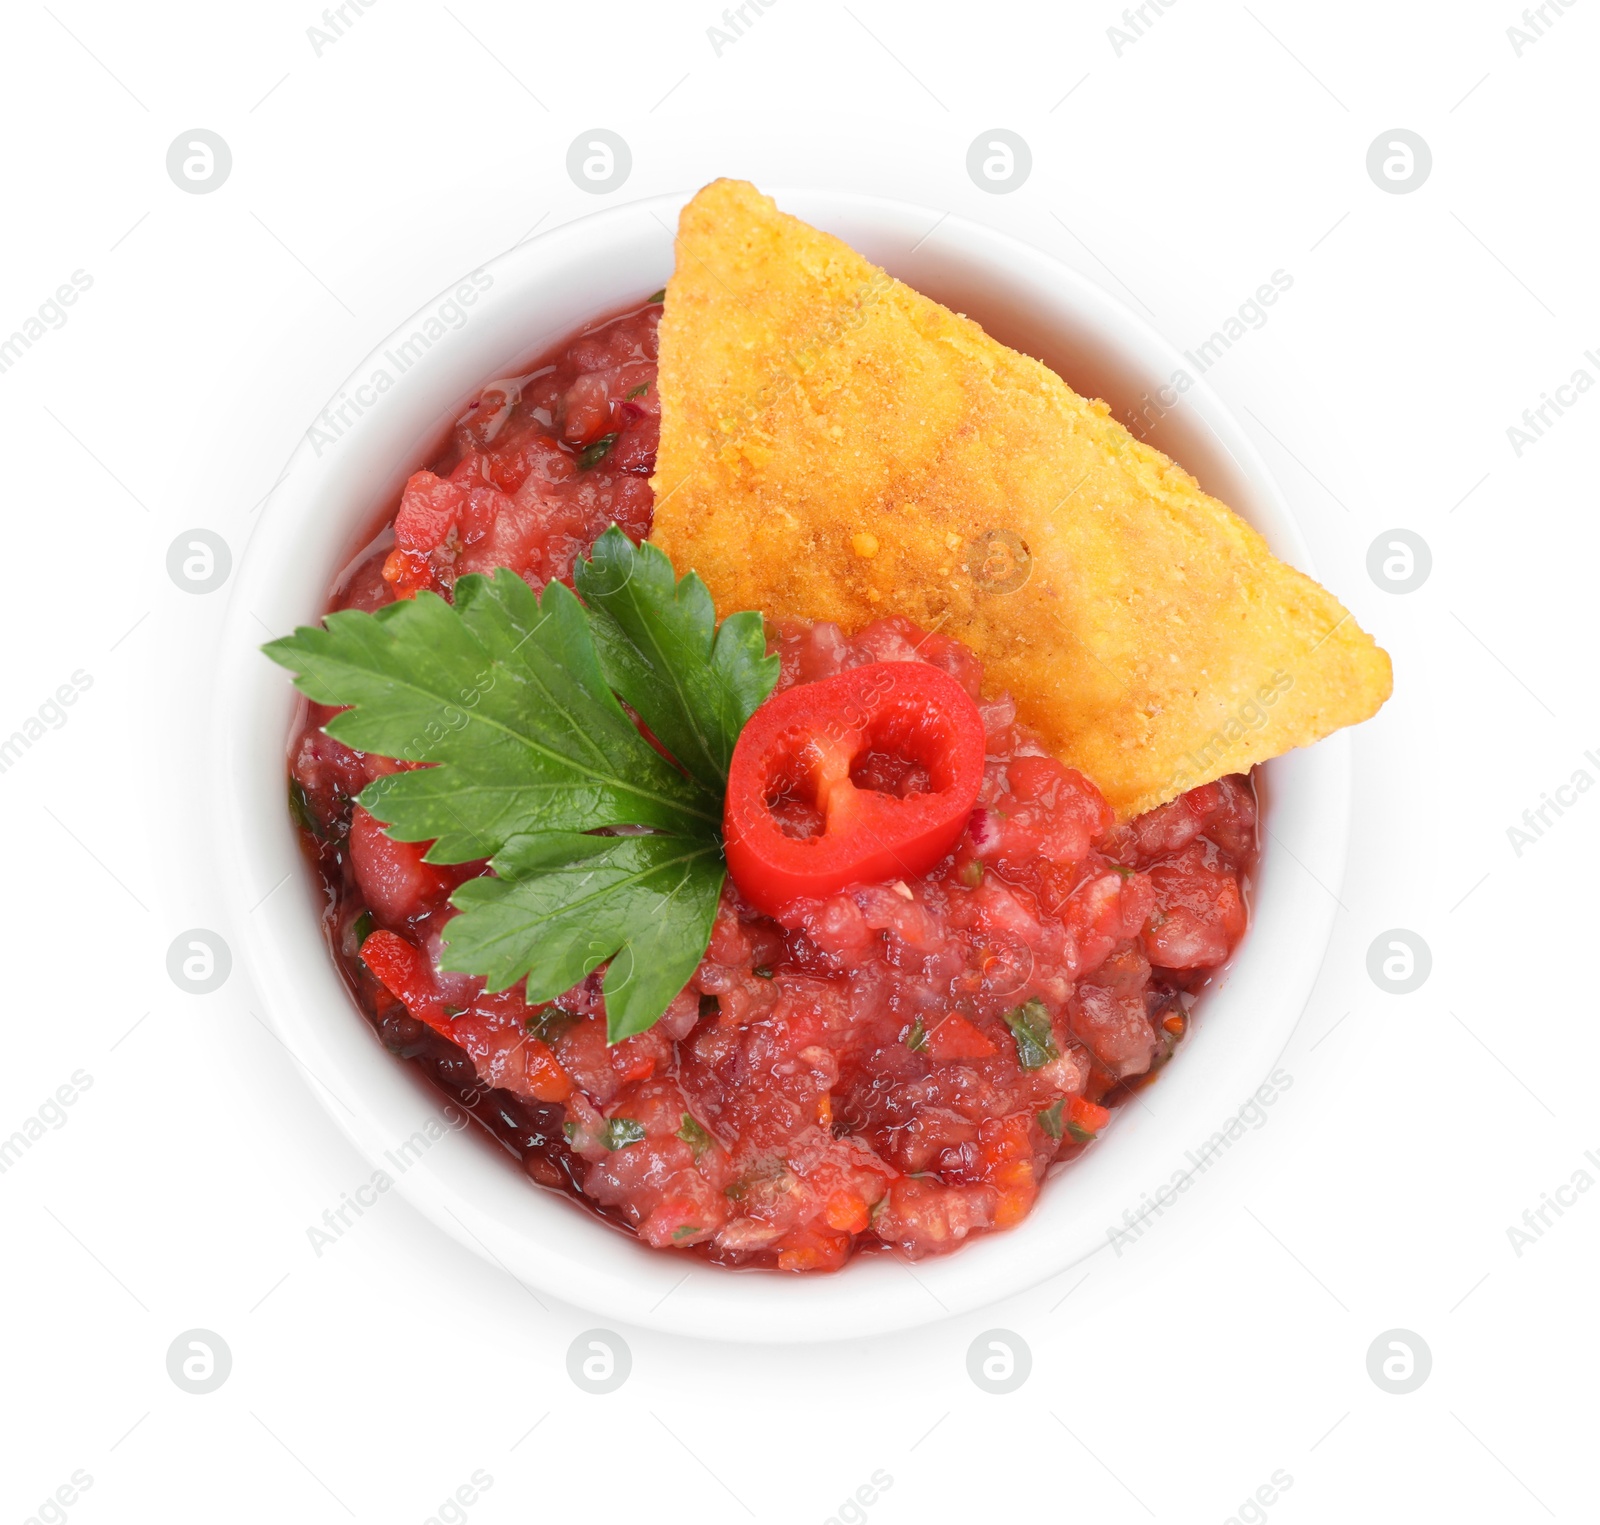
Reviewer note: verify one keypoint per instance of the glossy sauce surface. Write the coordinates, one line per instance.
(894, 1064)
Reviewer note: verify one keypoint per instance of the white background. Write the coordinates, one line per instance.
(1231, 1341)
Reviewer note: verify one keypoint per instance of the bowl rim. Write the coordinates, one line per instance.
(457, 1178)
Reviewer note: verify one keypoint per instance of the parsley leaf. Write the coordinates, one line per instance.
(1030, 1026)
(596, 452)
(619, 1132)
(502, 691)
(694, 684)
(560, 904)
(304, 816)
(548, 1023)
(1051, 1118)
(512, 699)
(694, 1135)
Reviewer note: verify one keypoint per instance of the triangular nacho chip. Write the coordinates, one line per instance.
(836, 446)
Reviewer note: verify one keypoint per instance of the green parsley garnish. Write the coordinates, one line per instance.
(638, 391)
(972, 874)
(1079, 1135)
(300, 808)
(619, 1132)
(1050, 1119)
(513, 698)
(549, 1022)
(694, 1135)
(762, 971)
(686, 1231)
(359, 930)
(764, 1173)
(917, 1038)
(660, 296)
(692, 681)
(1030, 1026)
(596, 452)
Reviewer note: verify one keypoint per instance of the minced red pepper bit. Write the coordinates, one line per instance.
(405, 972)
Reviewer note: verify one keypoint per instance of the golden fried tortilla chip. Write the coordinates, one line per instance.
(836, 446)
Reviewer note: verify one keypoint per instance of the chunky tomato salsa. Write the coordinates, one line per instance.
(938, 964)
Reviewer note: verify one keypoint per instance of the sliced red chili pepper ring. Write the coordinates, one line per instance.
(865, 777)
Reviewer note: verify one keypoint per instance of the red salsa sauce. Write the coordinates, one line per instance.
(892, 1065)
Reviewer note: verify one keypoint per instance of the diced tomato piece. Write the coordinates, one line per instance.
(394, 880)
(954, 1037)
(1004, 1139)
(846, 1212)
(546, 1079)
(407, 572)
(633, 1058)
(813, 1249)
(428, 512)
(1017, 1183)
(1199, 911)
(1085, 1115)
(586, 409)
(329, 775)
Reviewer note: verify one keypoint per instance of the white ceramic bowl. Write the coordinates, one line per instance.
(537, 294)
